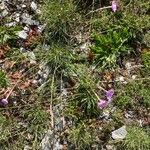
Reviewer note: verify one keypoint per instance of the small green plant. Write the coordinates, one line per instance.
(146, 59)
(110, 45)
(3, 79)
(123, 100)
(8, 33)
(146, 62)
(82, 136)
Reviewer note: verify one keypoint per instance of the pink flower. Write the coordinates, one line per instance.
(102, 104)
(4, 101)
(114, 6)
(109, 94)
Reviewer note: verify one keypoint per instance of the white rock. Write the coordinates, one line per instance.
(27, 147)
(27, 29)
(58, 146)
(2, 5)
(4, 13)
(128, 65)
(11, 24)
(38, 11)
(41, 28)
(23, 6)
(134, 76)
(17, 19)
(34, 81)
(120, 133)
(22, 49)
(84, 46)
(121, 78)
(110, 147)
(33, 5)
(15, 103)
(27, 19)
(32, 57)
(22, 34)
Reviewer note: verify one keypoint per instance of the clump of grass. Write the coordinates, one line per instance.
(137, 138)
(56, 56)
(60, 17)
(37, 117)
(133, 95)
(84, 98)
(82, 136)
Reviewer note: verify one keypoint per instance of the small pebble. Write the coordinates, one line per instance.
(22, 34)
(17, 19)
(4, 13)
(23, 6)
(33, 5)
(134, 77)
(27, 29)
(11, 24)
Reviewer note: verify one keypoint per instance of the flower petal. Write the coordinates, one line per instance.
(109, 94)
(4, 101)
(114, 6)
(102, 104)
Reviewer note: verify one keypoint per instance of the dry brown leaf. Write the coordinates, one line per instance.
(2, 56)
(25, 85)
(16, 75)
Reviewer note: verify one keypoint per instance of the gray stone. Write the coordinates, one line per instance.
(120, 133)
(27, 19)
(46, 141)
(58, 146)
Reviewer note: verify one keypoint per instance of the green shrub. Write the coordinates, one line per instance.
(110, 45)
